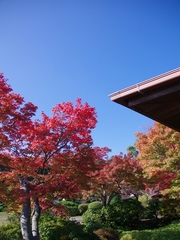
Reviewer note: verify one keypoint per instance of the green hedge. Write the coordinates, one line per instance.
(95, 206)
(170, 232)
(83, 207)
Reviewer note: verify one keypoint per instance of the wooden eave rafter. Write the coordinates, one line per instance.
(157, 98)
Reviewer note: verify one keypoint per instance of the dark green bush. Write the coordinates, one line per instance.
(72, 208)
(123, 215)
(115, 200)
(169, 208)
(3, 207)
(166, 208)
(107, 234)
(150, 209)
(83, 207)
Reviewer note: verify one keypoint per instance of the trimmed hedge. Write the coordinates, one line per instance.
(169, 232)
(95, 206)
(83, 208)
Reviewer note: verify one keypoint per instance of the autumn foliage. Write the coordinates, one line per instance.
(121, 175)
(44, 160)
(159, 156)
(55, 153)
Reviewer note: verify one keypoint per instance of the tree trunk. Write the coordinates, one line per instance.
(103, 200)
(110, 197)
(35, 218)
(26, 213)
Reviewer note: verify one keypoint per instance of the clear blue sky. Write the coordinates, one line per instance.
(59, 50)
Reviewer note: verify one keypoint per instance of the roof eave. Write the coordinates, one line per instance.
(145, 85)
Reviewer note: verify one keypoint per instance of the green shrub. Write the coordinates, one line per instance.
(144, 200)
(92, 217)
(10, 231)
(72, 208)
(115, 200)
(127, 236)
(150, 209)
(92, 220)
(53, 228)
(83, 207)
(95, 206)
(123, 215)
(3, 207)
(169, 232)
(107, 234)
(169, 208)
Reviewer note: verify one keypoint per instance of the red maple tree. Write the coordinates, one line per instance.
(43, 160)
(121, 175)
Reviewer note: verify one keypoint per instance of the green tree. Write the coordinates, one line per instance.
(132, 150)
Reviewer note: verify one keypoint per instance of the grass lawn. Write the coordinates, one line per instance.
(3, 218)
(169, 232)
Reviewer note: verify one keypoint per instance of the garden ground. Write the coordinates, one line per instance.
(3, 218)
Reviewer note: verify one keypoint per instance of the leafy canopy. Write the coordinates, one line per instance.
(55, 154)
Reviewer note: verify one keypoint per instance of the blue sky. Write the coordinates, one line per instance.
(60, 50)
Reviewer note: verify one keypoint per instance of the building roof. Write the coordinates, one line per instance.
(157, 98)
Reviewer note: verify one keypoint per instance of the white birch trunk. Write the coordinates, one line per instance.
(26, 214)
(35, 218)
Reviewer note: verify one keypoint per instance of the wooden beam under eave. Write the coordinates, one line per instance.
(154, 95)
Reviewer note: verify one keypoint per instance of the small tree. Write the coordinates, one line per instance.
(159, 156)
(122, 175)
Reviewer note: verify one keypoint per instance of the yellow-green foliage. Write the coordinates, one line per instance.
(10, 231)
(127, 236)
(144, 200)
(95, 206)
(170, 232)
